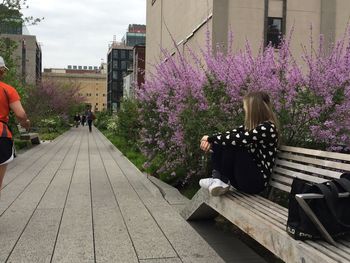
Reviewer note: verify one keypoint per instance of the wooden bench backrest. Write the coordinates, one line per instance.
(311, 165)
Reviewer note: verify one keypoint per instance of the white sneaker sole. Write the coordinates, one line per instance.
(219, 190)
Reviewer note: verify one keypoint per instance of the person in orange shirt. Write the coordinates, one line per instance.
(9, 100)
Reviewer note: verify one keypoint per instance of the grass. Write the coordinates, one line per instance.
(190, 190)
(21, 144)
(135, 156)
(49, 136)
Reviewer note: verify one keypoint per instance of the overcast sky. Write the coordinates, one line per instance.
(77, 32)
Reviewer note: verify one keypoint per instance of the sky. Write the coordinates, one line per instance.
(78, 32)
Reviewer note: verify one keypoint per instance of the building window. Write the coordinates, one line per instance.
(122, 54)
(115, 54)
(274, 31)
(123, 65)
(104, 95)
(96, 94)
(115, 75)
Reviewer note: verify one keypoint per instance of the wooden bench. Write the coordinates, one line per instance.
(33, 137)
(265, 220)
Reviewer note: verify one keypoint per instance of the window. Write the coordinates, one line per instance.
(96, 94)
(104, 95)
(115, 75)
(115, 54)
(122, 54)
(123, 65)
(274, 31)
(115, 65)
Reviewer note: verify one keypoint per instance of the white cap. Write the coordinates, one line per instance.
(2, 63)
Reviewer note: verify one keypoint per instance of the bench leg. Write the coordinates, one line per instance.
(35, 140)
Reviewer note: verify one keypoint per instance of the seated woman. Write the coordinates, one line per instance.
(244, 157)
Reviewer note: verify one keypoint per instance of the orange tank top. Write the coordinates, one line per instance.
(8, 95)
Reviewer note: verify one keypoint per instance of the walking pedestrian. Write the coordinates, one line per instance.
(76, 120)
(90, 118)
(9, 100)
(83, 120)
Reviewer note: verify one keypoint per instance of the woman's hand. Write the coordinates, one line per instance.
(205, 145)
(25, 124)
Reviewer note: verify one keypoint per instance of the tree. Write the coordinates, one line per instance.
(61, 99)
(11, 14)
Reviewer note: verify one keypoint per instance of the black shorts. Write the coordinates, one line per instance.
(6, 150)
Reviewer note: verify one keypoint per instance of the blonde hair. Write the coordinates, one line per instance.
(258, 109)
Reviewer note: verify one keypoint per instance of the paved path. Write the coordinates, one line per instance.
(78, 199)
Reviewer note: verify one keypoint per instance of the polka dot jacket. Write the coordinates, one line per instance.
(261, 142)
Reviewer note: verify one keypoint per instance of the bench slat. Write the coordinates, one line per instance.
(328, 250)
(282, 179)
(337, 156)
(267, 203)
(293, 174)
(264, 209)
(310, 169)
(320, 162)
(262, 214)
(282, 187)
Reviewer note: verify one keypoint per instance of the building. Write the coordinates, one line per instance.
(120, 63)
(92, 83)
(136, 35)
(120, 60)
(28, 57)
(258, 21)
(139, 64)
(128, 82)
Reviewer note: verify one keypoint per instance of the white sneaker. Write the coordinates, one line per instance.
(205, 183)
(218, 188)
(215, 186)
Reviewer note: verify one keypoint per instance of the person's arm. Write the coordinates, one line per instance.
(261, 134)
(21, 115)
(205, 144)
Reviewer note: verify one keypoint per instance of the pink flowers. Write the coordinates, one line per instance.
(184, 100)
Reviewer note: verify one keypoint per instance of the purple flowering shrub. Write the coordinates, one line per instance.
(53, 99)
(190, 96)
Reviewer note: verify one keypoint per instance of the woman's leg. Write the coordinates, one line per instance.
(2, 174)
(246, 174)
(221, 158)
(90, 125)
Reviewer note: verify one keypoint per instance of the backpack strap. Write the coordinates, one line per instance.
(8, 104)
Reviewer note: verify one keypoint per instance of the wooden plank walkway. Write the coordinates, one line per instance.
(78, 199)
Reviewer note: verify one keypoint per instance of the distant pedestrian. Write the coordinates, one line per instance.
(77, 120)
(83, 119)
(9, 100)
(90, 118)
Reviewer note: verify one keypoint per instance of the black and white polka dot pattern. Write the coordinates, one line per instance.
(261, 142)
